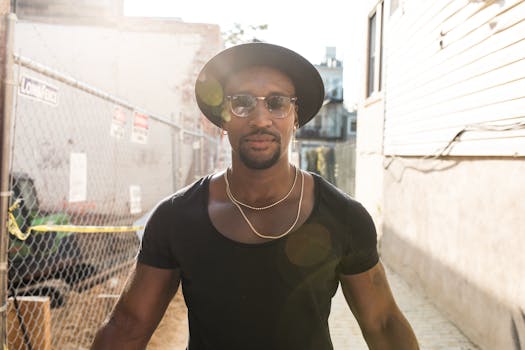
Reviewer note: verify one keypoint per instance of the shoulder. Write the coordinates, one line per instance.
(187, 194)
(191, 191)
(335, 199)
(179, 203)
(349, 215)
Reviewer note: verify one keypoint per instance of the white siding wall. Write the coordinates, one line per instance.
(369, 135)
(451, 65)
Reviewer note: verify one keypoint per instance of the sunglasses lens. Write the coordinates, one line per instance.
(242, 105)
(279, 106)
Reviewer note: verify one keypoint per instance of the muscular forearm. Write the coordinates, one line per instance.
(395, 334)
(119, 334)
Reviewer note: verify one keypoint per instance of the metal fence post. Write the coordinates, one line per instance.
(5, 129)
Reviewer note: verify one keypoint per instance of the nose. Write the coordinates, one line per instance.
(260, 116)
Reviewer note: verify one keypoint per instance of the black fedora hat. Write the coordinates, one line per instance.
(209, 87)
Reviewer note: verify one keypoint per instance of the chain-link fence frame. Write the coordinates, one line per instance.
(86, 167)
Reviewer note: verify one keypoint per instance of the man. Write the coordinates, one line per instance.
(261, 247)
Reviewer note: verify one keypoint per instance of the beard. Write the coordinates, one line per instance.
(260, 163)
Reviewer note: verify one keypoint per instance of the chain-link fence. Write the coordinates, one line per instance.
(335, 161)
(85, 168)
(345, 166)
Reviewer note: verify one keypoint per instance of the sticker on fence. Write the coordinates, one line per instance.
(134, 199)
(139, 132)
(38, 90)
(118, 123)
(77, 177)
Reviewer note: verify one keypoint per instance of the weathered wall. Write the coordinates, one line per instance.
(369, 135)
(453, 225)
(152, 64)
(369, 159)
(459, 234)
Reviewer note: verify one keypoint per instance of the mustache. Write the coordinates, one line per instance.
(263, 132)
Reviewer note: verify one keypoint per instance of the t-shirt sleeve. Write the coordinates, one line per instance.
(155, 248)
(361, 250)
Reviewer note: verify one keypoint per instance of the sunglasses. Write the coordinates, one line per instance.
(243, 104)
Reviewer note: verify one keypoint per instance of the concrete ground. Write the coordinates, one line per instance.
(433, 330)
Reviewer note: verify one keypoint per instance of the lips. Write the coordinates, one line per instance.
(258, 144)
(260, 139)
(261, 136)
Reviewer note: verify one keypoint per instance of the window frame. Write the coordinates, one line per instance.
(374, 54)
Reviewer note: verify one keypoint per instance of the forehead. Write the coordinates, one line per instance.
(260, 80)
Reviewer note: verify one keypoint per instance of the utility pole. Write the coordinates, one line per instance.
(6, 98)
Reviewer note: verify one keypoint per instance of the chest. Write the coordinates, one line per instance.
(249, 226)
(303, 263)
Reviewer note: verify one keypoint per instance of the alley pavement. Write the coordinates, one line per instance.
(433, 330)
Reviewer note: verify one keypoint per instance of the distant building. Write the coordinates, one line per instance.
(85, 11)
(333, 122)
(334, 126)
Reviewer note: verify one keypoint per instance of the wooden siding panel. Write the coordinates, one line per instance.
(511, 147)
(443, 136)
(477, 68)
(501, 85)
(464, 66)
(488, 114)
(411, 73)
(409, 45)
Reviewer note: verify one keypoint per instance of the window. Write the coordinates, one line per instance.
(351, 125)
(375, 50)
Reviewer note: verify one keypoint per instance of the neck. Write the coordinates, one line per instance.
(260, 187)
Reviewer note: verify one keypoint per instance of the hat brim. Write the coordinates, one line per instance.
(209, 87)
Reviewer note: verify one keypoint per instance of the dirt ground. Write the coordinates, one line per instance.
(172, 332)
(73, 325)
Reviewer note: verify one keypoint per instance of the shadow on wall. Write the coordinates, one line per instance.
(483, 318)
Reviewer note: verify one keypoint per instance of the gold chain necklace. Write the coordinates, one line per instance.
(235, 200)
(250, 224)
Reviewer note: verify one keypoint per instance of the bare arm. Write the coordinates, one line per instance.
(139, 309)
(383, 325)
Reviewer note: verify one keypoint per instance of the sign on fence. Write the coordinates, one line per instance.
(77, 177)
(39, 90)
(118, 123)
(139, 133)
(134, 199)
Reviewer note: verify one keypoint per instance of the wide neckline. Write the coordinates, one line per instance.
(206, 196)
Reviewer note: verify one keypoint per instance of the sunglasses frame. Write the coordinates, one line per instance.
(261, 98)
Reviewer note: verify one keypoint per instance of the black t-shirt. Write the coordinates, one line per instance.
(274, 295)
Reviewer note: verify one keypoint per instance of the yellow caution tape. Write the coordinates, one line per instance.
(14, 229)
(12, 225)
(84, 229)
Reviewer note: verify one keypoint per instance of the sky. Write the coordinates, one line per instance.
(305, 27)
